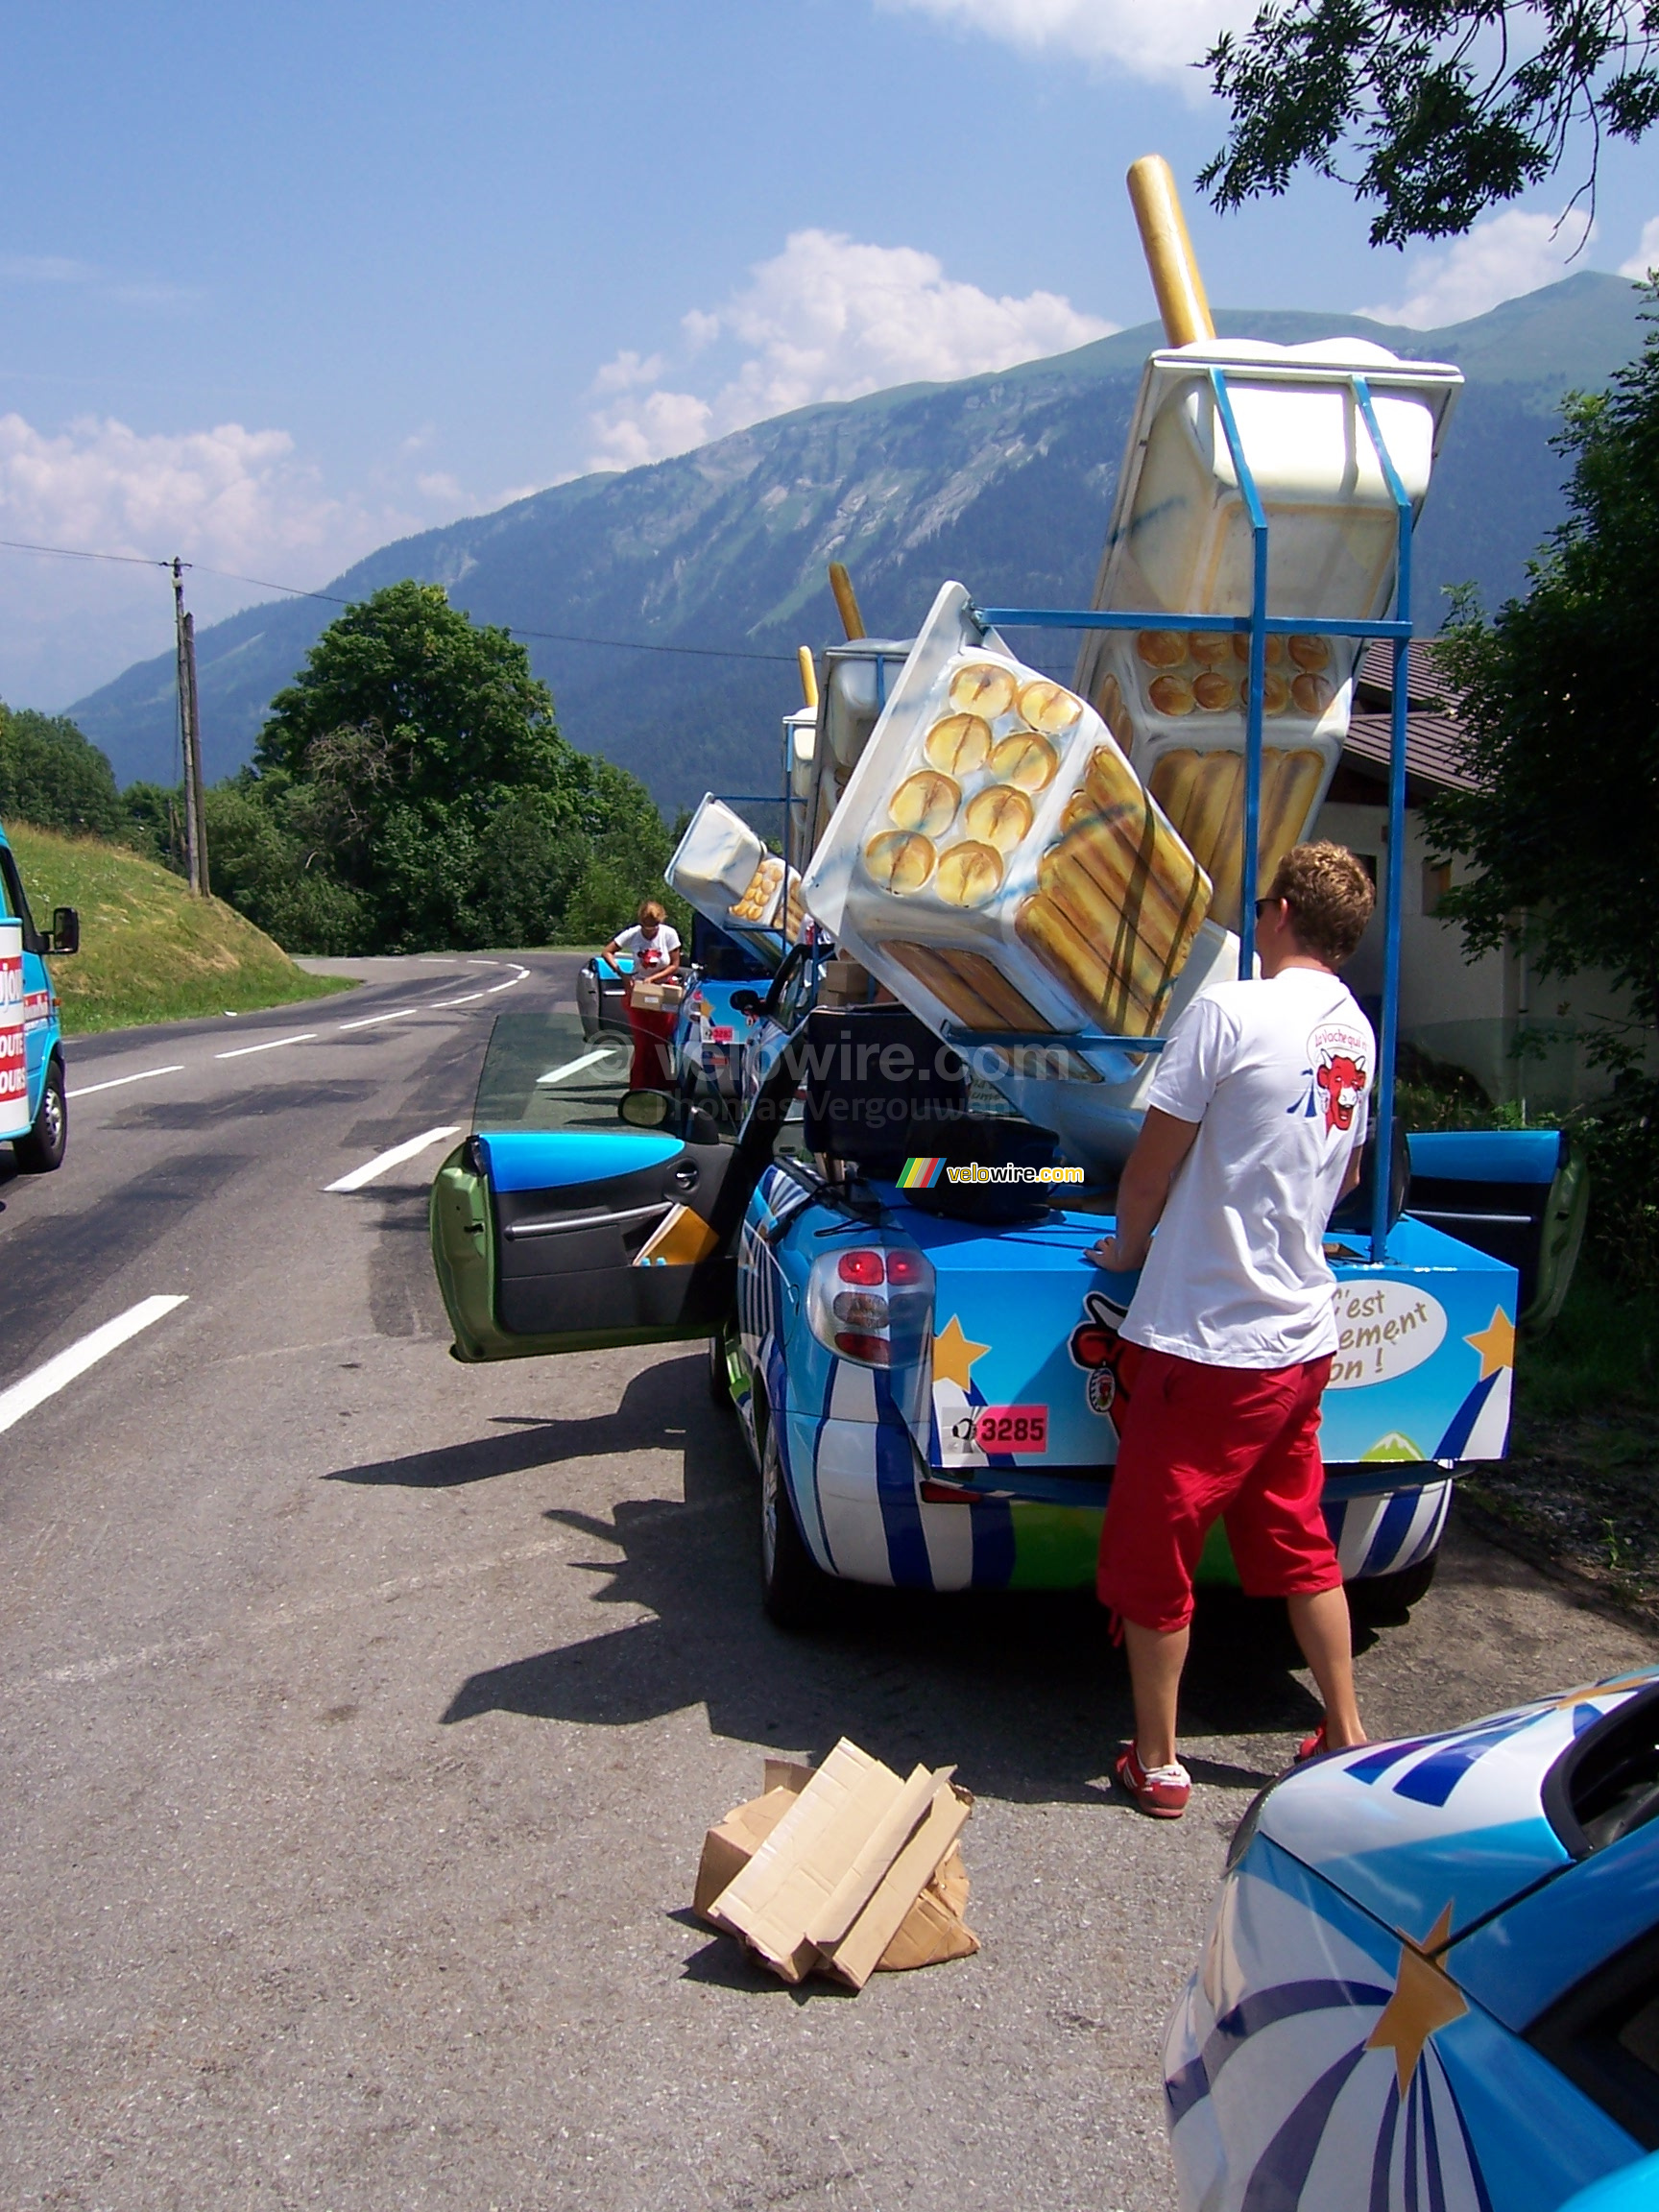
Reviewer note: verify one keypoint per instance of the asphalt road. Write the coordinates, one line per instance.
(361, 1714)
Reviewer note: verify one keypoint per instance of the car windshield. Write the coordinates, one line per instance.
(541, 1072)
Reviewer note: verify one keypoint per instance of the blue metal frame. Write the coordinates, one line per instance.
(1259, 626)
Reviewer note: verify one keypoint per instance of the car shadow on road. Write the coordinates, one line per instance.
(1024, 1691)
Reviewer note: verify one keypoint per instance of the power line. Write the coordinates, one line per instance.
(333, 599)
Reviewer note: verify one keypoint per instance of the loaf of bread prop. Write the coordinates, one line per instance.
(722, 869)
(1180, 539)
(996, 861)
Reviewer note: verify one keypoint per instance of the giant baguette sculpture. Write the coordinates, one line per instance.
(1176, 699)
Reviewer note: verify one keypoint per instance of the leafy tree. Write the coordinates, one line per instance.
(53, 776)
(416, 771)
(1561, 735)
(1450, 106)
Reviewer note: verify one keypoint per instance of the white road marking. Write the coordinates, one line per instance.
(573, 1066)
(463, 1001)
(396, 1158)
(509, 984)
(401, 1014)
(47, 1381)
(115, 1082)
(241, 1051)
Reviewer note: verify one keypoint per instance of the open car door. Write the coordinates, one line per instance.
(561, 1226)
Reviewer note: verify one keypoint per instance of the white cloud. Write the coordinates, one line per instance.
(226, 499)
(1647, 255)
(831, 319)
(1162, 42)
(1499, 260)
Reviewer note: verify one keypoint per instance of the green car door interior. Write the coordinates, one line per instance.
(561, 1223)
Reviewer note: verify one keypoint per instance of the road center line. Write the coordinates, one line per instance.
(241, 1051)
(467, 1001)
(401, 1014)
(509, 984)
(47, 1381)
(396, 1158)
(85, 1089)
(574, 1067)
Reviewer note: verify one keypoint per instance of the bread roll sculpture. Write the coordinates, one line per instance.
(722, 869)
(996, 861)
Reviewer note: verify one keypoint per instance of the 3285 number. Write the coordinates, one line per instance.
(1012, 1428)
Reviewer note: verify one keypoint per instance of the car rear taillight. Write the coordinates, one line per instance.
(871, 1303)
(861, 1266)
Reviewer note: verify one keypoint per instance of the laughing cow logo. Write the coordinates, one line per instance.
(1340, 1059)
(1342, 1081)
(1097, 1347)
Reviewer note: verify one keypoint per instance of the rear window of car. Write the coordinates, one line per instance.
(1605, 1786)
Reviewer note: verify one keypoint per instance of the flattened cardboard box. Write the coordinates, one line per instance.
(842, 1870)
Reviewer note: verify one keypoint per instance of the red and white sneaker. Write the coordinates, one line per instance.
(1161, 1792)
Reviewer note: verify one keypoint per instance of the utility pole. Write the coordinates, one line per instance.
(190, 733)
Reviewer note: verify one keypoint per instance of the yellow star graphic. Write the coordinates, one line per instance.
(1494, 1343)
(1425, 1998)
(954, 1353)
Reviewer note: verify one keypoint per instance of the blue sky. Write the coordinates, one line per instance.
(278, 285)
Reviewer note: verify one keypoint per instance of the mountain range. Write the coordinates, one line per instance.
(1003, 480)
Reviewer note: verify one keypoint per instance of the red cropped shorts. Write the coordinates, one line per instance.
(1203, 1444)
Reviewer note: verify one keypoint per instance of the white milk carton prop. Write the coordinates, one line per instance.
(13, 1039)
(996, 861)
(722, 868)
(1180, 540)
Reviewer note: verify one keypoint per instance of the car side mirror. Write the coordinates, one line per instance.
(65, 930)
(647, 1109)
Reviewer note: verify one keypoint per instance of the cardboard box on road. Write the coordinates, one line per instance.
(842, 1870)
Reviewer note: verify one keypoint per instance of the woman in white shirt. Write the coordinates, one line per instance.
(653, 948)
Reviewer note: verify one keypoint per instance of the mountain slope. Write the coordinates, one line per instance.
(1004, 480)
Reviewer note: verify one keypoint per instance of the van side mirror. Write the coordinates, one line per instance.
(66, 930)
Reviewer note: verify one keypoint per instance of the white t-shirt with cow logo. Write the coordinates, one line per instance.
(1277, 1077)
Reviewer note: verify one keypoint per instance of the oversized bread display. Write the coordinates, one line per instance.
(721, 867)
(996, 861)
(1180, 540)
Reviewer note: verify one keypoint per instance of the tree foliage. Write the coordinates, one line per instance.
(1449, 106)
(1561, 735)
(411, 790)
(1561, 715)
(51, 774)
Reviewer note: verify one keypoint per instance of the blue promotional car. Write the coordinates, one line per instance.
(1431, 1976)
(32, 1111)
(927, 1370)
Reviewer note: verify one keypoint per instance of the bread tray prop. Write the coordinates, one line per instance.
(996, 860)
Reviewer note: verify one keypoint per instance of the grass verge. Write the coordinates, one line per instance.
(1580, 1485)
(150, 951)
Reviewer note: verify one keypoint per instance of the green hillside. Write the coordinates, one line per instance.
(149, 950)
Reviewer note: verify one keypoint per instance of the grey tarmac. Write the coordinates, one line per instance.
(361, 1714)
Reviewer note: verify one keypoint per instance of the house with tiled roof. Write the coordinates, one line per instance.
(1467, 1012)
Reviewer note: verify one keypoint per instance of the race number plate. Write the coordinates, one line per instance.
(722, 1034)
(1012, 1428)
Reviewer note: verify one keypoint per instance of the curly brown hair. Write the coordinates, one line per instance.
(1330, 896)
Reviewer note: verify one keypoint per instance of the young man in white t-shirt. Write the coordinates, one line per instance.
(1254, 1129)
